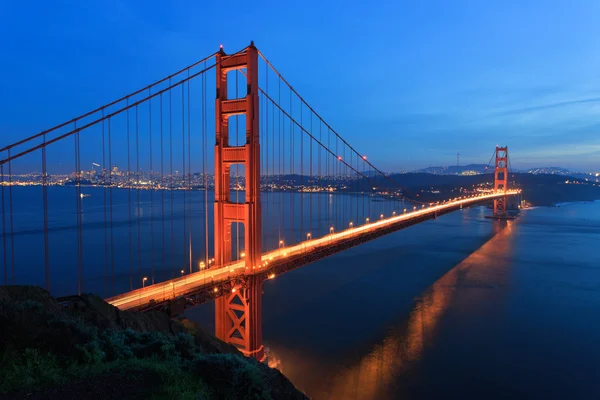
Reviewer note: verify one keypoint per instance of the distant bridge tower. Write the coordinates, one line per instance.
(501, 181)
(238, 315)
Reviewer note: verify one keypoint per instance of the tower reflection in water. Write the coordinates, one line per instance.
(376, 373)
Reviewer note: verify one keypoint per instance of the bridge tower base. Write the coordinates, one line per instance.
(238, 316)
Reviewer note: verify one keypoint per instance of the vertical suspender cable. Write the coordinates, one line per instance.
(301, 179)
(273, 170)
(291, 172)
(105, 212)
(5, 258)
(322, 182)
(204, 165)
(137, 190)
(280, 189)
(265, 171)
(151, 173)
(189, 172)
(310, 178)
(171, 180)
(79, 212)
(10, 212)
(129, 186)
(162, 188)
(45, 201)
(110, 194)
(183, 175)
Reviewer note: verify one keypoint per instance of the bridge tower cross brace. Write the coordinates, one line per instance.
(238, 315)
(501, 181)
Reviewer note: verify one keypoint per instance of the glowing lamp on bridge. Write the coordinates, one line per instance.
(415, 208)
(280, 243)
(202, 265)
(393, 213)
(271, 276)
(351, 224)
(367, 220)
(215, 290)
(242, 254)
(233, 290)
(340, 158)
(308, 236)
(144, 282)
(364, 157)
(182, 272)
(331, 229)
(405, 211)
(381, 216)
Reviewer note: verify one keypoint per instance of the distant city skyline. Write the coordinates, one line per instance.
(425, 81)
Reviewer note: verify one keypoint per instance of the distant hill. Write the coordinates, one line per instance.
(455, 170)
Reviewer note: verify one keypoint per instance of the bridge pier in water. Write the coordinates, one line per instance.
(238, 316)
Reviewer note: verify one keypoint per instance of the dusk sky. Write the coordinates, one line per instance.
(408, 83)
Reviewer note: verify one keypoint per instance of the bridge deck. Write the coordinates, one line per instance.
(211, 283)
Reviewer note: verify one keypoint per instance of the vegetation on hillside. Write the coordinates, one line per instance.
(92, 350)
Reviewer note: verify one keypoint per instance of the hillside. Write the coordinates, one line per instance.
(92, 350)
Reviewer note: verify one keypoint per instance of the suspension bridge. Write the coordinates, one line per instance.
(149, 226)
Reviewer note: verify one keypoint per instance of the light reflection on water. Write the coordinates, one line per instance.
(374, 376)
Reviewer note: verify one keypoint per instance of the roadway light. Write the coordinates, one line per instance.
(144, 282)
(182, 272)
(381, 216)
(242, 254)
(405, 211)
(367, 220)
(415, 208)
(331, 229)
(280, 243)
(393, 212)
(202, 265)
(351, 224)
(308, 236)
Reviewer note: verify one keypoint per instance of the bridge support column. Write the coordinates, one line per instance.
(501, 181)
(238, 316)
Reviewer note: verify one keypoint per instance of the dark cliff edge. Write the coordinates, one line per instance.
(89, 349)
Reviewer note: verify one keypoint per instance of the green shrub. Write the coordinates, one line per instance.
(234, 376)
(31, 369)
(116, 344)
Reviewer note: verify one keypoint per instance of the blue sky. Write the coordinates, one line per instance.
(425, 78)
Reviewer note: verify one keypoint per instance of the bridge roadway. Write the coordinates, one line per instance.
(204, 285)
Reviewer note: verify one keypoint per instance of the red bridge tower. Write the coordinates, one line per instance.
(238, 315)
(501, 181)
